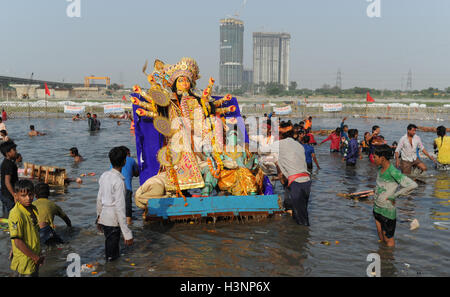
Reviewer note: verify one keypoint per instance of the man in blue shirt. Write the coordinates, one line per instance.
(128, 171)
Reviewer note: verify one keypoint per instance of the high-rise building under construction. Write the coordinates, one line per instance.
(271, 58)
(231, 53)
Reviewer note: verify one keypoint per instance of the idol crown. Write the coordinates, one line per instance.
(185, 67)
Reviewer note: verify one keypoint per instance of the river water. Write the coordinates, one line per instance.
(272, 247)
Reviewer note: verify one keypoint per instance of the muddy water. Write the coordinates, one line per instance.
(273, 247)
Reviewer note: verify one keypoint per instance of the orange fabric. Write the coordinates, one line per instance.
(308, 124)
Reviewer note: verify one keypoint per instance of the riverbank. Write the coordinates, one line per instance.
(438, 110)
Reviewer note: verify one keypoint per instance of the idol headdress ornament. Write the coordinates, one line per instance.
(185, 67)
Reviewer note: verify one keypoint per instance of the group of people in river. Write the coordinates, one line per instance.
(223, 165)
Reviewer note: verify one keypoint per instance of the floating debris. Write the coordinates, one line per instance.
(414, 224)
(261, 232)
(87, 268)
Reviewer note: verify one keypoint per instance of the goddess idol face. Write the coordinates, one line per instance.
(183, 84)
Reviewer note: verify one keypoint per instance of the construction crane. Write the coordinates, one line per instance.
(87, 78)
(238, 12)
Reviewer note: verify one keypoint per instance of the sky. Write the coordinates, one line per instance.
(115, 37)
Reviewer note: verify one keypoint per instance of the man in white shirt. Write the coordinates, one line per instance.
(293, 173)
(407, 149)
(111, 217)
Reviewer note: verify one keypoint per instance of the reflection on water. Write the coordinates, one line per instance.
(273, 247)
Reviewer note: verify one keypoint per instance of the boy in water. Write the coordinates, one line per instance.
(24, 232)
(129, 171)
(9, 176)
(353, 148)
(388, 179)
(75, 155)
(335, 140)
(310, 155)
(111, 216)
(374, 141)
(47, 210)
(34, 132)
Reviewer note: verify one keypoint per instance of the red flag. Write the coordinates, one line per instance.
(369, 98)
(124, 98)
(47, 91)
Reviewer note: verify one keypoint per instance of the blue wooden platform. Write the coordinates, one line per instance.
(214, 206)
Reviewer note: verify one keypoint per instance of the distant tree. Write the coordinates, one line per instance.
(274, 89)
(292, 86)
(114, 87)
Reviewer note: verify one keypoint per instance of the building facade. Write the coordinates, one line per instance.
(231, 53)
(271, 58)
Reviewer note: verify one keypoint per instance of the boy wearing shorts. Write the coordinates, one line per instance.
(388, 179)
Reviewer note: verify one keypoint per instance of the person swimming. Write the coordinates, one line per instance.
(33, 132)
(76, 156)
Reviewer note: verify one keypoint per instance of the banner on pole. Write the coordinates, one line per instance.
(73, 109)
(282, 110)
(332, 107)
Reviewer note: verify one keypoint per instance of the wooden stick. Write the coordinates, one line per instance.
(46, 175)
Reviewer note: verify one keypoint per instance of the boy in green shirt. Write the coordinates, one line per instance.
(47, 210)
(388, 179)
(24, 232)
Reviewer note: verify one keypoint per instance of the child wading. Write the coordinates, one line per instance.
(353, 148)
(111, 218)
(47, 210)
(24, 232)
(310, 154)
(388, 179)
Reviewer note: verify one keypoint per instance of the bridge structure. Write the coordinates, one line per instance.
(7, 80)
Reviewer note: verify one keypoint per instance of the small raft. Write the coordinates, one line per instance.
(215, 207)
(51, 175)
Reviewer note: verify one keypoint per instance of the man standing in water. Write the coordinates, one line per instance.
(293, 173)
(407, 147)
(91, 123)
(96, 122)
